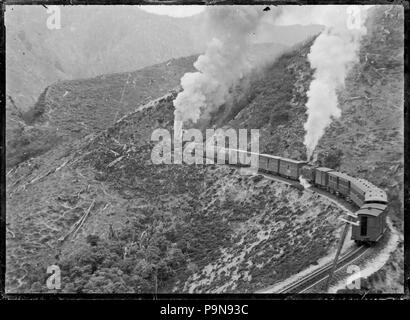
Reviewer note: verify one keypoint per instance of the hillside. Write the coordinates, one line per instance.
(96, 40)
(93, 40)
(187, 228)
(367, 140)
(71, 109)
(149, 221)
(75, 108)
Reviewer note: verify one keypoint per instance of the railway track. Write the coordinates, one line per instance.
(319, 276)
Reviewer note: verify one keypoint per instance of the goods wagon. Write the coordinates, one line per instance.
(358, 188)
(273, 164)
(363, 191)
(339, 182)
(263, 163)
(322, 177)
(290, 168)
(372, 223)
(242, 157)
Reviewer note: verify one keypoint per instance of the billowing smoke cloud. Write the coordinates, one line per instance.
(225, 62)
(332, 55)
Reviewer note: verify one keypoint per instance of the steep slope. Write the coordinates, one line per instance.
(96, 40)
(157, 216)
(92, 40)
(196, 228)
(369, 136)
(147, 224)
(73, 109)
(367, 141)
(369, 133)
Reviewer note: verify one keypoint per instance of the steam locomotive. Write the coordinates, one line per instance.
(370, 200)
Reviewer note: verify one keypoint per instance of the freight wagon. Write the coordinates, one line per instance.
(339, 183)
(290, 168)
(322, 177)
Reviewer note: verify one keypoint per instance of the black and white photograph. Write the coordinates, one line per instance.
(204, 149)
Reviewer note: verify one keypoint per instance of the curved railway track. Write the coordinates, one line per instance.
(320, 275)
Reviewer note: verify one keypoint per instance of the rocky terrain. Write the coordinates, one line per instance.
(114, 222)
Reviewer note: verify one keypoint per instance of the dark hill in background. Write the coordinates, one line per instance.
(93, 40)
(73, 109)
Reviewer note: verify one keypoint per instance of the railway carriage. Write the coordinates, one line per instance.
(375, 195)
(290, 168)
(358, 188)
(263, 163)
(372, 223)
(273, 163)
(243, 158)
(322, 176)
(363, 191)
(339, 183)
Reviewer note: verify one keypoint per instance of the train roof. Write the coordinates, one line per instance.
(324, 169)
(340, 175)
(377, 206)
(293, 161)
(369, 211)
(270, 156)
(240, 150)
(375, 194)
(362, 184)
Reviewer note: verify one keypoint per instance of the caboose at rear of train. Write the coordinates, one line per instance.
(371, 200)
(372, 223)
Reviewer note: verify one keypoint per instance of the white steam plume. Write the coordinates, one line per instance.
(224, 63)
(332, 54)
(226, 60)
(305, 184)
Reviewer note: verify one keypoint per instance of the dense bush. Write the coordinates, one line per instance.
(134, 261)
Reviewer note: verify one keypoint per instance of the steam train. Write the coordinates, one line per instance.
(370, 200)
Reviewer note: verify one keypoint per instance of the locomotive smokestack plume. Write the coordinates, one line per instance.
(224, 63)
(332, 55)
